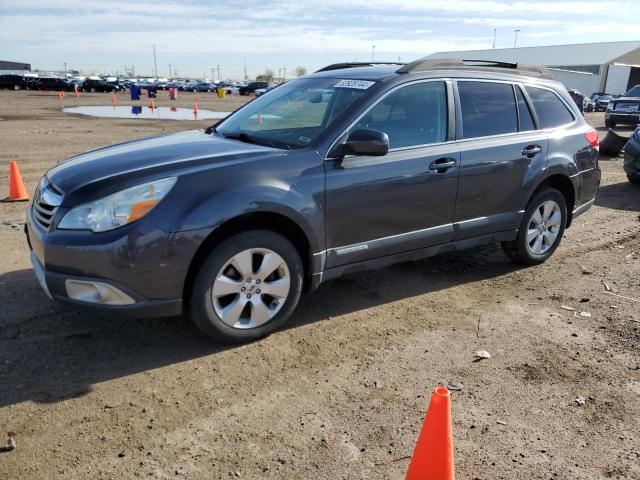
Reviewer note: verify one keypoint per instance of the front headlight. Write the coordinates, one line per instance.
(609, 106)
(117, 209)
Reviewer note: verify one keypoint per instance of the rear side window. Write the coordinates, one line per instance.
(525, 120)
(487, 109)
(552, 112)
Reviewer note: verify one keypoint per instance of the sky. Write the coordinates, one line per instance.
(194, 36)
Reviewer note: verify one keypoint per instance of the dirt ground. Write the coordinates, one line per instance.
(341, 393)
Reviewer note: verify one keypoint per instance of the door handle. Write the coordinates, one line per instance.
(531, 151)
(441, 165)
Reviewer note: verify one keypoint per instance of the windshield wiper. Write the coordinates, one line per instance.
(243, 137)
(246, 138)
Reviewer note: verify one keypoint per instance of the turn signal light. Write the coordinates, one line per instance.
(140, 209)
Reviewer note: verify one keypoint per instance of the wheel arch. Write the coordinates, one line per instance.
(564, 185)
(272, 221)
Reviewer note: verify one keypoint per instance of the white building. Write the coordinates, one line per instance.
(611, 67)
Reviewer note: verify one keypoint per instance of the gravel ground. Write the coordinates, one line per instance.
(340, 393)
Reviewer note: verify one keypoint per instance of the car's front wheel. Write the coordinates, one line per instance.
(634, 178)
(541, 228)
(247, 287)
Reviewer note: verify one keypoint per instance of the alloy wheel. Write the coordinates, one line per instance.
(251, 288)
(544, 227)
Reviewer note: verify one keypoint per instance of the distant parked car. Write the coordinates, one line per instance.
(50, 83)
(624, 110)
(98, 85)
(12, 81)
(601, 101)
(203, 87)
(588, 105)
(632, 158)
(229, 88)
(251, 87)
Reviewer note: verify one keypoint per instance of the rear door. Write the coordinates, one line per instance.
(500, 146)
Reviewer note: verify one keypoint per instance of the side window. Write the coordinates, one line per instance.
(525, 120)
(550, 109)
(487, 109)
(412, 115)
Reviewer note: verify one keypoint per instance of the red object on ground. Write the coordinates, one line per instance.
(113, 98)
(17, 190)
(195, 108)
(433, 456)
(152, 104)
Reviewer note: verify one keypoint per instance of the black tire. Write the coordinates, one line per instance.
(609, 123)
(202, 309)
(93, 90)
(518, 250)
(635, 179)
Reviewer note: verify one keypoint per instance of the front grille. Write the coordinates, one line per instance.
(44, 213)
(46, 203)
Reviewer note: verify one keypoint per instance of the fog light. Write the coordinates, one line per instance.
(97, 292)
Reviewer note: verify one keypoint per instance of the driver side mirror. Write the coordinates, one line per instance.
(366, 142)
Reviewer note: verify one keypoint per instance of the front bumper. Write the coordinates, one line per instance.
(137, 262)
(626, 118)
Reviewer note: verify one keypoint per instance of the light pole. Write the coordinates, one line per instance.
(155, 63)
(495, 30)
(515, 41)
(373, 51)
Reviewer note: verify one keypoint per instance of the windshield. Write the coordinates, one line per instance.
(634, 92)
(295, 113)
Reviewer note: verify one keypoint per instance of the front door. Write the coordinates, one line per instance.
(378, 206)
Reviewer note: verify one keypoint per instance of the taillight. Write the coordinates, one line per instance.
(592, 138)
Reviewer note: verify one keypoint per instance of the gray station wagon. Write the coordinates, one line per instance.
(350, 168)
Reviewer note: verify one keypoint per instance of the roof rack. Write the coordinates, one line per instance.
(490, 65)
(340, 66)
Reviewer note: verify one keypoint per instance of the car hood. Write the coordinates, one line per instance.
(166, 153)
(627, 99)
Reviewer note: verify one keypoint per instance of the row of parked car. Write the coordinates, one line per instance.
(111, 84)
(20, 82)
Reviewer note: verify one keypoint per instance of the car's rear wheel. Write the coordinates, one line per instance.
(247, 287)
(541, 228)
(634, 178)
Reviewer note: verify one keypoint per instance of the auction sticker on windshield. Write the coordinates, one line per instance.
(359, 84)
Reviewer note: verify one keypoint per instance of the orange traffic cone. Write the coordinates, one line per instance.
(152, 104)
(433, 456)
(61, 95)
(17, 191)
(195, 108)
(113, 98)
